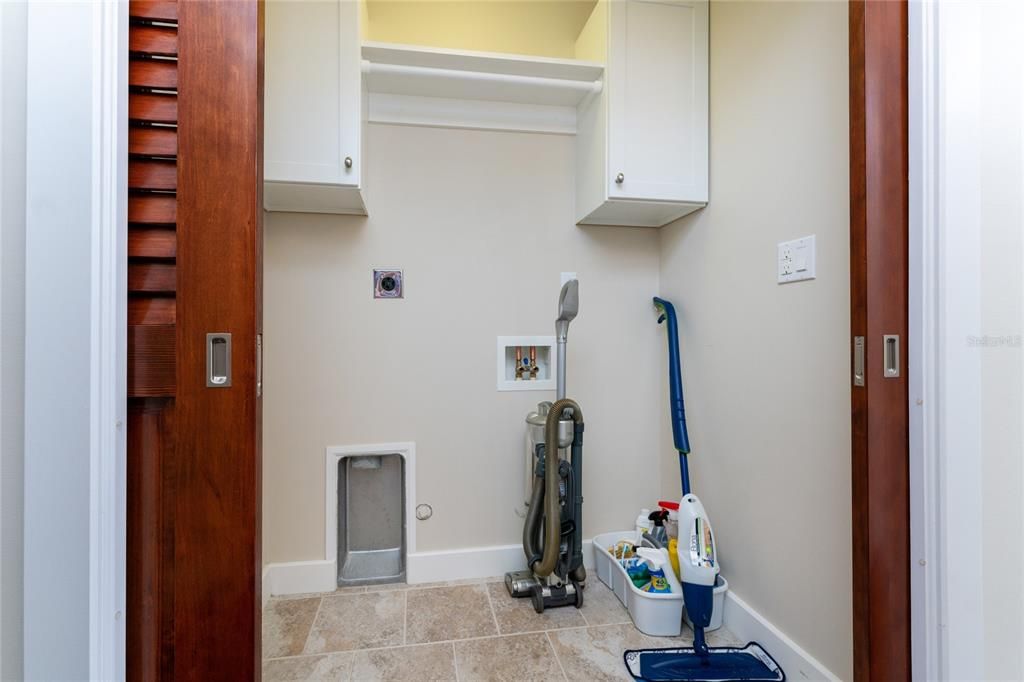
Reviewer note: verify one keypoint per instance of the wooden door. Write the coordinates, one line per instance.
(879, 308)
(658, 100)
(195, 182)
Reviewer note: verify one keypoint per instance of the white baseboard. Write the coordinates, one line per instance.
(750, 626)
(301, 577)
(472, 562)
(265, 589)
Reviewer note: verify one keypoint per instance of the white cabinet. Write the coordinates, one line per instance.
(642, 144)
(314, 107)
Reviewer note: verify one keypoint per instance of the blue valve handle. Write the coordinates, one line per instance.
(677, 412)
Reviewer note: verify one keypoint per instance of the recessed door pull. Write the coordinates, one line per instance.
(218, 360)
(891, 356)
(858, 361)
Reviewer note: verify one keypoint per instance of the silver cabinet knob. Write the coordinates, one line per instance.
(619, 178)
(348, 162)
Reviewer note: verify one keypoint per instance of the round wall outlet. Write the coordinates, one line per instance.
(387, 284)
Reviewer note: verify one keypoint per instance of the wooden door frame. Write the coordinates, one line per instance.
(879, 294)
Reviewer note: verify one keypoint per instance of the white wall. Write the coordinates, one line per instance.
(57, 357)
(12, 332)
(75, 367)
(972, 437)
(482, 223)
(766, 366)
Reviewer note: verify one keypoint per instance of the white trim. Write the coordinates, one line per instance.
(108, 347)
(473, 562)
(299, 577)
(925, 517)
(750, 626)
(333, 455)
(468, 563)
(265, 585)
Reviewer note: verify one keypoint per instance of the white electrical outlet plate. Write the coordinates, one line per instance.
(566, 276)
(796, 260)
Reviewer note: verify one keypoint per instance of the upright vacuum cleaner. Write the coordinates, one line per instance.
(552, 539)
(698, 566)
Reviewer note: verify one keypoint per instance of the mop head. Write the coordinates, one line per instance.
(724, 664)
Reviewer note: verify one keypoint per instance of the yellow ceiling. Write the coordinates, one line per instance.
(546, 28)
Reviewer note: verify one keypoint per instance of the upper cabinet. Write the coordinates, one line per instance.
(628, 78)
(642, 144)
(314, 108)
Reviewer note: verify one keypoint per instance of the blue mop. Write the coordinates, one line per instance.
(698, 564)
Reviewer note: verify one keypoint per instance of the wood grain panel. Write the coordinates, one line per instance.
(153, 108)
(153, 73)
(153, 141)
(152, 278)
(150, 508)
(151, 361)
(152, 209)
(152, 242)
(154, 10)
(161, 40)
(156, 175)
(220, 132)
(879, 306)
(151, 310)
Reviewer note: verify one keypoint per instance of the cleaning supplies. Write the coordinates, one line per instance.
(672, 522)
(643, 524)
(658, 518)
(656, 559)
(638, 572)
(673, 554)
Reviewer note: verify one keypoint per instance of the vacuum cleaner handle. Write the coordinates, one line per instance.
(675, 380)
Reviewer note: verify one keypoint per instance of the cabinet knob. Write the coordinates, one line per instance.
(348, 162)
(619, 178)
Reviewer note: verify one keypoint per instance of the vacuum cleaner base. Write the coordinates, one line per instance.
(721, 665)
(526, 584)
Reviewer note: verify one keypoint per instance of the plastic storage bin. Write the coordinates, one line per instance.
(660, 615)
(718, 606)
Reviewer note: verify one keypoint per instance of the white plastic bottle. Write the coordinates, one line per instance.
(643, 524)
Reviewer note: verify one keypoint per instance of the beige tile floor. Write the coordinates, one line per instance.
(453, 631)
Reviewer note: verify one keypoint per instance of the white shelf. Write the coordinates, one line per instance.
(482, 89)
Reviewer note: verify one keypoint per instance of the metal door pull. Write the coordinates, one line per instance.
(218, 360)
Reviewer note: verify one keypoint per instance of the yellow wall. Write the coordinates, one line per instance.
(547, 28)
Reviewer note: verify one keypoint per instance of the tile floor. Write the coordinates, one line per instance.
(453, 631)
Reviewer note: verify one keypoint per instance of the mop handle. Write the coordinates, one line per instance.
(677, 413)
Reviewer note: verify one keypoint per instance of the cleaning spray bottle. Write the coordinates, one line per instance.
(656, 559)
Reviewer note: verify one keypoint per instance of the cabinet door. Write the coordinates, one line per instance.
(313, 92)
(658, 100)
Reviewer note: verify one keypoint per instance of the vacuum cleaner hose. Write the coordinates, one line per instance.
(533, 515)
(552, 513)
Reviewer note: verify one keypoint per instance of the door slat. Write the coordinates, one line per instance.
(153, 141)
(162, 40)
(154, 10)
(145, 174)
(153, 108)
(153, 278)
(153, 73)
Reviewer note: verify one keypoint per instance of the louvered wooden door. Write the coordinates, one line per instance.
(194, 267)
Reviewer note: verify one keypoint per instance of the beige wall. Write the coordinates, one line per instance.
(765, 366)
(482, 224)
